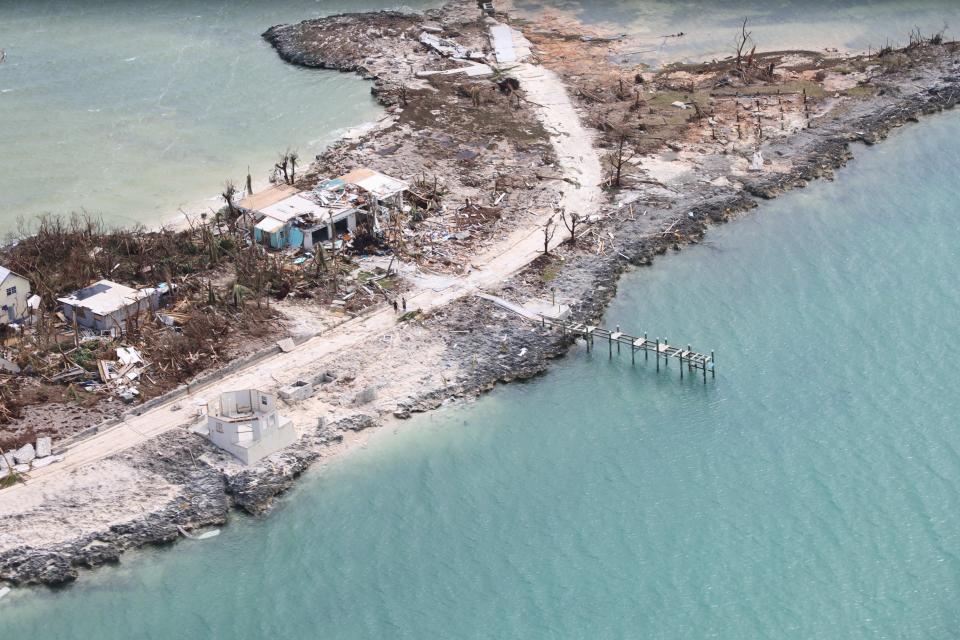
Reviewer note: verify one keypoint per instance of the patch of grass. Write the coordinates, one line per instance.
(861, 91)
(550, 272)
(409, 315)
(10, 479)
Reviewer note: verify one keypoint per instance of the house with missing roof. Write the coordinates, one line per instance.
(286, 218)
(107, 306)
(246, 424)
(382, 193)
(301, 220)
(14, 293)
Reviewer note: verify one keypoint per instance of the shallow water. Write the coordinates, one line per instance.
(811, 491)
(709, 26)
(134, 109)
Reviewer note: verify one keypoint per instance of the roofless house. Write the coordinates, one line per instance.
(108, 306)
(286, 218)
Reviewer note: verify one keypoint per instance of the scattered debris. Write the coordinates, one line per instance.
(206, 535)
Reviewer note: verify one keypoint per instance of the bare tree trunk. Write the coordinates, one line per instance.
(548, 230)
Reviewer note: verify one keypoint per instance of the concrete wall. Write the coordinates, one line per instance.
(289, 236)
(252, 440)
(233, 403)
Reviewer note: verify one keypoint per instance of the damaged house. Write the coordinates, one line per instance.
(108, 306)
(14, 294)
(301, 221)
(246, 425)
(335, 209)
(379, 192)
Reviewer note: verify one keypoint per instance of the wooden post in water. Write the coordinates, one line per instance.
(646, 352)
(713, 366)
(610, 343)
(658, 353)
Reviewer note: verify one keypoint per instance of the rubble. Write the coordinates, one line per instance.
(296, 392)
(44, 447)
(25, 454)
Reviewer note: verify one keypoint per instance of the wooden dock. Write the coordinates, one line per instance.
(662, 350)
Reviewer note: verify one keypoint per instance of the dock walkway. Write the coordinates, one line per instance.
(662, 350)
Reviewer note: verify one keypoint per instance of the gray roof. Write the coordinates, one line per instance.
(4, 273)
(105, 297)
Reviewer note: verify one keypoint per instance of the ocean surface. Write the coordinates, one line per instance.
(811, 491)
(709, 26)
(133, 110)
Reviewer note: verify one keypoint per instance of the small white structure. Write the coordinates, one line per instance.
(385, 191)
(379, 185)
(14, 294)
(246, 424)
(106, 306)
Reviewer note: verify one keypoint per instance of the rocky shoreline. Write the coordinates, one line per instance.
(207, 485)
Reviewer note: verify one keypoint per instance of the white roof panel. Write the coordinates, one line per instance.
(105, 297)
(270, 225)
(380, 185)
(291, 207)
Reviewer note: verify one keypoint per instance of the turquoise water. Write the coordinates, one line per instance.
(811, 491)
(709, 26)
(133, 110)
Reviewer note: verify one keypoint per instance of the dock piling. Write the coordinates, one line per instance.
(687, 356)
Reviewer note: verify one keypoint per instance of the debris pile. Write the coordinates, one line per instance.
(24, 459)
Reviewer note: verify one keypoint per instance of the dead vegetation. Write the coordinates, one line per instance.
(732, 105)
(476, 156)
(217, 287)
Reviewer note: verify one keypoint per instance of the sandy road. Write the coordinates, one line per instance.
(578, 160)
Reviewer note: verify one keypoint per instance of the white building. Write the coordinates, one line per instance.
(385, 191)
(106, 306)
(14, 293)
(246, 424)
